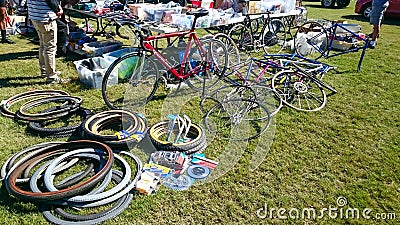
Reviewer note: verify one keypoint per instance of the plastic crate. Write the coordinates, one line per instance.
(183, 21)
(98, 48)
(112, 56)
(93, 78)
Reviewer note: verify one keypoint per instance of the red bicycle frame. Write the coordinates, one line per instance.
(192, 37)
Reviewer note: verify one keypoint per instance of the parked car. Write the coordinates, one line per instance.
(364, 7)
(331, 3)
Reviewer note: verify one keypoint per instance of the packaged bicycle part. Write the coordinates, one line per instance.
(172, 160)
(198, 171)
(178, 183)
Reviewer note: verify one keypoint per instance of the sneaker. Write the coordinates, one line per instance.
(7, 41)
(57, 80)
(43, 74)
(372, 44)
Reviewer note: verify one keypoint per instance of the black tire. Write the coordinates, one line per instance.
(328, 3)
(366, 11)
(216, 62)
(311, 40)
(43, 131)
(241, 35)
(274, 36)
(299, 91)
(136, 82)
(342, 3)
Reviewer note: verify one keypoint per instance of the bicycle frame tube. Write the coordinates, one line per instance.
(165, 63)
(331, 39)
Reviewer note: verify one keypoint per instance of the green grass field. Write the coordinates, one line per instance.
(348, 149)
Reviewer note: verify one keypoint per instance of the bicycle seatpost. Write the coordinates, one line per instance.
(197, 14)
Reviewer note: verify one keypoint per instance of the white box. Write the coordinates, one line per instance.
(94, 77)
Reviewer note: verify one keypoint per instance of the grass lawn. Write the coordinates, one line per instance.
(348, 149)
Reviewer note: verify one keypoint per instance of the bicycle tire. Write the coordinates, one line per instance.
(117, 177)
(195, 132)
(268, 97)
(274, 36)
(243, 38)
(41, 129)
(233, 52)
(137, 77)
(216, 59)
(311, 40)
(13, 189)
(299, 91)
(70, 104)
(7, 104)
(225, 120)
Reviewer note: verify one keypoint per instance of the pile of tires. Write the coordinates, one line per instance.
(45, 110)
(178, 134)
(65, 177)
(132, 128)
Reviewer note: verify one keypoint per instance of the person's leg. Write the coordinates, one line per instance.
(3, 26)
(50, 48)
(39, 27)
(376, 20)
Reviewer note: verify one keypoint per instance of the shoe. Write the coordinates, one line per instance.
(43, 74)
(372, 44)
(7, 41)
(57, 80)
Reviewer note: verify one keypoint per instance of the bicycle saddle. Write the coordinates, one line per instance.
(198, 13)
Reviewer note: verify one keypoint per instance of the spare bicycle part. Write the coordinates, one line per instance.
(299, 91)
(8, 103)
(68, 105)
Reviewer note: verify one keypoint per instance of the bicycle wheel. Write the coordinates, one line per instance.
(232, 49)
(237, 119)
(311, 40)
(127, 31)
(299, 91)
(266, 96)
(131, 80)
(207, 70)
(242, 36)
(274, 36)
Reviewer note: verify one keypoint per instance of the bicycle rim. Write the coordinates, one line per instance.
(311, 40)
(299, 91)
(237, 119)
(130, 81)
(210, 70)
(274, 37)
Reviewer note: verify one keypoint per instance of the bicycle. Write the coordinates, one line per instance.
(248, 36)
(316, 40)
(197, 63)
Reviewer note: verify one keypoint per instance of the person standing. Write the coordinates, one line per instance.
(378, 9)
(3, 22)
(43, 14)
